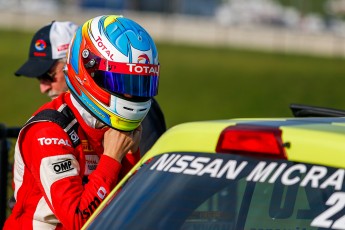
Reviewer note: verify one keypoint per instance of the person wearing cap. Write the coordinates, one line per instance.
(75, 149)
(47, 57)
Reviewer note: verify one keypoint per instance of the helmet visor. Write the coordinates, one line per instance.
(132, 84)
(136, 79)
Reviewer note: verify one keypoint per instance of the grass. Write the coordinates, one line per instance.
(204, 83)
(20, 95)
(199, 83)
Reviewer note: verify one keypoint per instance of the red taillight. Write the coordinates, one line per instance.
(251, 140)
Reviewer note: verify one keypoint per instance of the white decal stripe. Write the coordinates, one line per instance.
(263, 171)
(70, 125)
(61, 107)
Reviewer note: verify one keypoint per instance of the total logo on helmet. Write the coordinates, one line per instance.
(143, 59)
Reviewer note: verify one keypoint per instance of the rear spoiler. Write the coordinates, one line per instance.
(300, 110)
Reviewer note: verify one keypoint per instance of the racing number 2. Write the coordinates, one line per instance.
(337, 203)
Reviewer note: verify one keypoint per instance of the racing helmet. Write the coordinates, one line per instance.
(113, 71)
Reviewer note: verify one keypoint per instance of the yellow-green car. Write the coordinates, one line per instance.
(235, 174)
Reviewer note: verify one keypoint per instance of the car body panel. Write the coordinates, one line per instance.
(306, 137)
(308, 140)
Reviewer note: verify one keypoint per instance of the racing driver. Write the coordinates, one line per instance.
(73, 150)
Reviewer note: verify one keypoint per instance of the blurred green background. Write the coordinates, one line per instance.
(199, 83)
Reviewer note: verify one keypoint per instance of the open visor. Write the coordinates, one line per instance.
(135, 79)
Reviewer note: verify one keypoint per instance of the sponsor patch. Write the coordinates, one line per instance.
(93, 204)
(74, 137)
(53, 141)
(91, 162)
(86, 146)
(55, 168)
(63, 166)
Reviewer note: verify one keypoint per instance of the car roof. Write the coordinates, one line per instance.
(311, 140)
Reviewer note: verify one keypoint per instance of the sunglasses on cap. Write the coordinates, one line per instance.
(47, 77)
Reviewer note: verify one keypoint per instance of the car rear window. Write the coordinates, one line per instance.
(225, 191)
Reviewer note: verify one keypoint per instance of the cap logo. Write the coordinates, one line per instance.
(62, 47)
(40, 44)
(143, 59)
